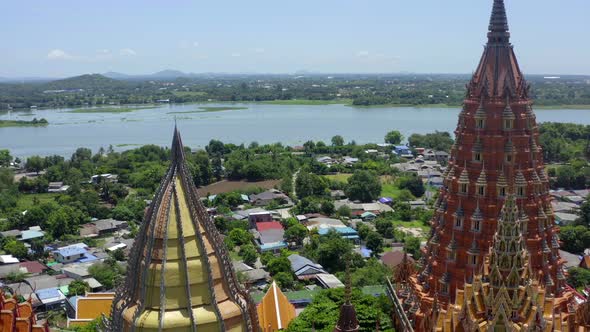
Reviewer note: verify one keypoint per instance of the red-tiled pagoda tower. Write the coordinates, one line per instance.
(496, 152)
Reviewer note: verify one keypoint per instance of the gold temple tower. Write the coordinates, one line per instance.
(179, 275)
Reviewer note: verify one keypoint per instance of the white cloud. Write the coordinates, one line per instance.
(57, 54)
(104, 51)
(127, 52)
(259, 50)
(196, 44)
(235, 55)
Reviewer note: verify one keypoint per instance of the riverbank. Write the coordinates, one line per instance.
(20, 123)
(207, 109)
(110, 109)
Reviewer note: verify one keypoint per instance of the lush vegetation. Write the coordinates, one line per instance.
(360, 90)
(323, 312)
(22, 123)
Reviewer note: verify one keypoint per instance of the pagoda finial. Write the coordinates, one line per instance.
(498, 29)
(348, 290)
(177, 148)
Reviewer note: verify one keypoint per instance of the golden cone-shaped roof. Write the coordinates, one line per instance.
(275, 312)
(179, 275)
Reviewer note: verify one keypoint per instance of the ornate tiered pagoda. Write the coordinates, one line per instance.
(18, 316)
(347, 321)
(496, 152)
(179, 274)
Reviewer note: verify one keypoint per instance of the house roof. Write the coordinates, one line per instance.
(264, 226)
(341, 230)
(256, 275)
(394, 258)
(33, 267)
(329, 280)
(71, 251)
(93, 283)
(299, 264)
(271, 235)
(8, 259)
(571, 260)
(31, 234)
(11, 233)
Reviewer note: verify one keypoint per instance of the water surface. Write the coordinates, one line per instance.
(288, 124)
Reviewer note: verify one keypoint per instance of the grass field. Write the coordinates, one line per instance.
(205, 109)
(12, 123)
(109, 109)
(340, 177)
(308, 102)
(190, 93)
(27, 201)
(390, 190)
(229, 186)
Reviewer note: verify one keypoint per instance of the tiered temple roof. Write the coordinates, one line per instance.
(179, 274)
(497, 145)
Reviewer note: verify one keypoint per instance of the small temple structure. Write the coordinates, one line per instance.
(275, 312)
(179, 274)
(492, 261)
(18, 317)
(347, 321)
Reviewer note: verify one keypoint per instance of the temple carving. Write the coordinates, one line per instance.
(179, 275)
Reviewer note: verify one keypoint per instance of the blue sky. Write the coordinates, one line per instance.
(66, 37)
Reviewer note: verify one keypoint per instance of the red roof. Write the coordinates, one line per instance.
(264, 226)
(33, 267)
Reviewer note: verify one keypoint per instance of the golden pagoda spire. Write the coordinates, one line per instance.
(179, 275)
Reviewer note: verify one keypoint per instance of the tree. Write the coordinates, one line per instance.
(344, 211)
(384, 227)
(309, 184)
(363, 186)
(323, 312)
(363, 230)
(327, 207)
(16, 249)
(332, 251)
(412, 246)
(578, 277)
(285, 280)
(337, 140)
(373, 273)
(584, 218)
(5, 158)
(78, 287)
(35, 164)
(375, 243)
(249, 254)
(295, 233)
(108, 273)
(118, 255)
(240, 237)
(414, 184)
(394, 137)
(575, 238)
(279, 264)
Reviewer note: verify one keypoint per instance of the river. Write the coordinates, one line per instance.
(263, 123)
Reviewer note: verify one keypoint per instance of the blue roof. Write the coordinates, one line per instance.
(400, 147)
(29, 234)
(48, 293)
(341, 230)
(71, 251)
(366, 253)
(74, 302)
(385, 199)
(87, 258)
(273, 245)
(298, 262)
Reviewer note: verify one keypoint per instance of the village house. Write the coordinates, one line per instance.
(107, 177)
(57, 187)
(304, 268)
(269, 196)
(102, 227)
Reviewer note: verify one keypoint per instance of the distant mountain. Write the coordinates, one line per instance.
(86, 82)
(161, 75)
(117, 76)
